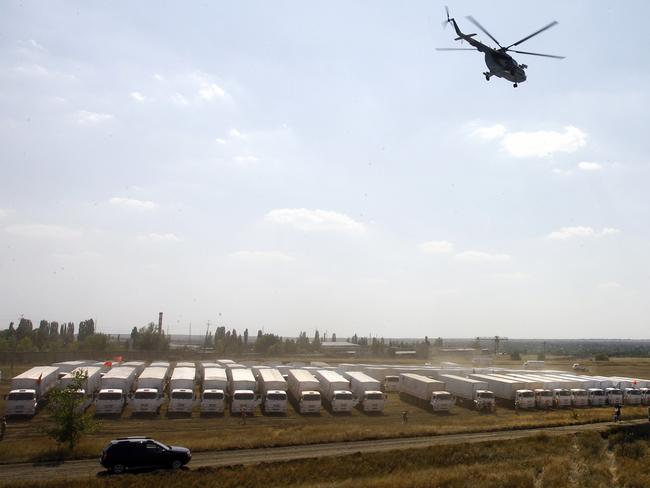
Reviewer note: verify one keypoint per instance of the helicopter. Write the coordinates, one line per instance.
(498, 61)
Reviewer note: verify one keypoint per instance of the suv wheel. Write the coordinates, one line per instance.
(118, 469)
(176, 464)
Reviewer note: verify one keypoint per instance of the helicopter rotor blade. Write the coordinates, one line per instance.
(537, 54)
(475, 22)
(533, 34)
(445, 22)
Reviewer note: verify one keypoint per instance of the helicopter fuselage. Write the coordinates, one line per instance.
(504, 66)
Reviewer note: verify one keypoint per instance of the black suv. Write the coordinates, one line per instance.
(142, 452)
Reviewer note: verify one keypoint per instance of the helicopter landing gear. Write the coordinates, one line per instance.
(487, 75)
(515, 85)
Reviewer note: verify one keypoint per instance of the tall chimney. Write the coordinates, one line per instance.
(160, 322)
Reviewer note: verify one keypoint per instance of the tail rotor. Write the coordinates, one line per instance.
(448, 21)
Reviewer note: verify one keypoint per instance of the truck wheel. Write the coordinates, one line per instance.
(176, 464)
(118, 469)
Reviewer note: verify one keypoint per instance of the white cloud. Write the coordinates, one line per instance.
(566, 233)
(563, 172)
(481, 257)
(137, 96)
(496, 131)
(32, 70)
(314, 220)
(133, 203)
(31, 44)
(589, 166)
(609, 285)
(84, 117)
(42, 231)
(3, 212)
(235, 134)
(245, 159)
(543, 143)
(211, 91)
(261, 256)
(437, 247)
(514, 276)
(158, 77)
(179, 99)
(153, 237)
(220, 140)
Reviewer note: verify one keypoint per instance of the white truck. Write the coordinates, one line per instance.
(114, 387)
(148, 396)
(508, 390)
(367, 390)
(273, 390)
(579, 397)
(214, 388)
(596, 397)
(632, 396)
(561, 397)
(90, 384)
(242, 390)
(28, 389)
(425, 391)
(391, 383)
(543, 398)
(304, 389)
(471, 392)
(181, 390)
(67, 366)
(335, 390)
(614, 396)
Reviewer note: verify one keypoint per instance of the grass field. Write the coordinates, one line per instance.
(582, 460)
(225, 432)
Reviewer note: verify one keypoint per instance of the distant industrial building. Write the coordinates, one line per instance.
(339, 347)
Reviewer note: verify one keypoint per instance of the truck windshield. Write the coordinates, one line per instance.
(182, 395)
(614, 392)
(276, 396)
(526, 394)
(443, 396)
(633, 392)
(545, 393)
(213, 396)
(579, 393)
(563, 393)
(311, 398)
(392, 379)
(597, 393)
(145, 395)
(343, 396)
(244, 396)
(17, 397)
(374, 396)
(109, 396)
(486, 394)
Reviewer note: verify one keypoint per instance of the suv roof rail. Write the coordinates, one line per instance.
(132, 437)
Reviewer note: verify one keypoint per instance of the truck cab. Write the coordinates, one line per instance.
(441, 401)
(632, 396)
(596, 397)
(21, 402)
(543, 398)
(146, 400)
(181, 400)
(85, 400)
(391, 383)
(275, 401)
(524, 399)
(373, 401)
(645, 396)
(561, 397)
(243, 400)
(342, 401)
(310, 402)
(213, 401)
(484, 401)
(109, 401)
(579, 397)
(614, 396)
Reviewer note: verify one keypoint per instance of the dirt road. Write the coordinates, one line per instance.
(89, 468)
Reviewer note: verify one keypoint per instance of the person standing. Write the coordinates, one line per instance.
(3, 427)
(405, 418)
(617, 412)
(243, 415)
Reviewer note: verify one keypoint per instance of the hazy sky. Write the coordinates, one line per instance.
(293, 165)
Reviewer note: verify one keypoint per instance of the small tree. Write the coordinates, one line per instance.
(70, 423)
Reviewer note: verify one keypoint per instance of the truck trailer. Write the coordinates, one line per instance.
(367, 390)
(425, 391)
(471, 392)
(273, 390)
(304, 390)
(510, 391)
(28, 389)
(89, 386)
(335, 390)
